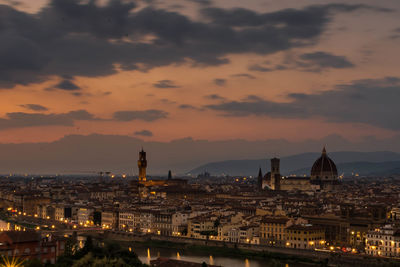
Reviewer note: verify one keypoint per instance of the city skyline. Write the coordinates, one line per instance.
(209, 70)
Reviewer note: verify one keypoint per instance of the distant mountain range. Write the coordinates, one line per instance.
(90, 154)
(348, 163)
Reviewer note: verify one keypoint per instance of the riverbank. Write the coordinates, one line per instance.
(309, 257)
(272, 259)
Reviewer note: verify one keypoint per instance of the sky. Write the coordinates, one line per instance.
(164, 70)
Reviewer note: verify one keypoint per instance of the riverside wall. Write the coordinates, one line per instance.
(337, 259)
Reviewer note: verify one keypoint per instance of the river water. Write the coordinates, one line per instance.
(147, 254)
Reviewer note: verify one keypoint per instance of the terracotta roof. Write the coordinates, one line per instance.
(274, 220)
(21, 237)
(304, 227)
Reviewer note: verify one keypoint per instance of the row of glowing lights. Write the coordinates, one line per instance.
(104, 226)
(157, 231)
(113, 176)
(311, 243)
(62, 220)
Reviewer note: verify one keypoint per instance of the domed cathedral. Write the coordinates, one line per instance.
(324, 172)
(323, 176)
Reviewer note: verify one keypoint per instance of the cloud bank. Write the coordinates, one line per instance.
(369, 101)
(83, 38)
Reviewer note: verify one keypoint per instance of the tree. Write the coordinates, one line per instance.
(33, 263)
(70, 246)
(112, 254)
(86, 261)
(106, 262)
(88, 245)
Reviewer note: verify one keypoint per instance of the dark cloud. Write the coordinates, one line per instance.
(144, 115)
(252, 98)
(370, 101)
(165, 84)
(167, 101)
(186, 106)
(396, 34)
(34, 107)
(311, 62)
(243, 75)
(220, 82)
(78, 94)
(214, 97)
(307, 18)
(202, 2)
(82, 38)
(67, 85)
(317, 61)
(257, 67)
(144, 133)
(21, 119)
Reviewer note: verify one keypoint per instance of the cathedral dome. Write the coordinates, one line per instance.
(324, 168)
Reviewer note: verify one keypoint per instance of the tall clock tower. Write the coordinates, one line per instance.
(142, 165)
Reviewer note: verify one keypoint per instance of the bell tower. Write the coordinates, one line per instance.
(275, 174)
(142, 165)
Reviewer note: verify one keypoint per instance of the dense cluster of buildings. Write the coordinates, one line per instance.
(316, 212)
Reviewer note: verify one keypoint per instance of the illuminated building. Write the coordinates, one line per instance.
(384, 241)
(272, 230)
(323, 176)
(305, 236)
(142, 165)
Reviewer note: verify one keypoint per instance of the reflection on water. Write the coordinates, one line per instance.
(147, 254)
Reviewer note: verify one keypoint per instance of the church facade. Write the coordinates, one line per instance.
(324, 176)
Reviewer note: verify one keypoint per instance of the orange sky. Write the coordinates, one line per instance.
(362, 37)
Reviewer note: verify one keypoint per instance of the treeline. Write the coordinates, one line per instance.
(108, 254)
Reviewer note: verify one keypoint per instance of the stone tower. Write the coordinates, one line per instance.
(275, 174)
(260, 180)
(142, 165)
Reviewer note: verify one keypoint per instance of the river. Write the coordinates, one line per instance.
(147, 254)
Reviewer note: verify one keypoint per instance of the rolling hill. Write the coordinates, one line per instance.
(364, 163)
